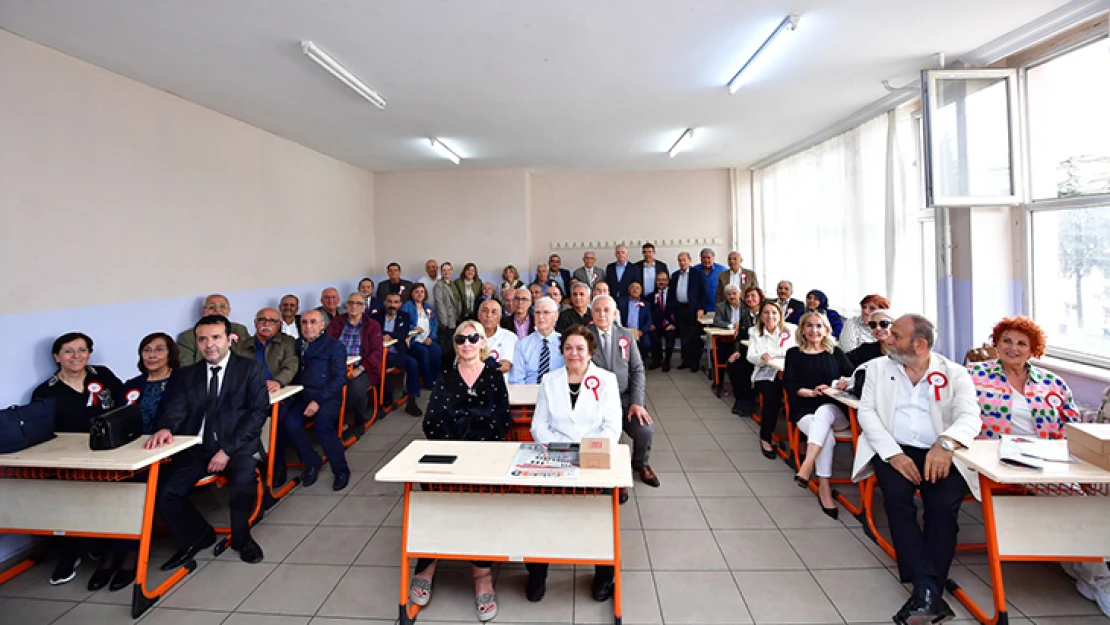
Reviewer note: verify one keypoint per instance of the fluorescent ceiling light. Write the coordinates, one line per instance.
(444, 151)
(687, 135)
(787, 25)
(324, 60)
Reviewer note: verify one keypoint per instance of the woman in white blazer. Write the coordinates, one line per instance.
(580, 400)
(769, 339)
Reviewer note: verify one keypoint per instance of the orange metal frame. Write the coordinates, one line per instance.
(521, 429)
(718, 379)
(409, 611)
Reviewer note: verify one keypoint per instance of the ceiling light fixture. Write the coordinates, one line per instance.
(687, 135)
(444, 151)
(788, 24)
(325, 60)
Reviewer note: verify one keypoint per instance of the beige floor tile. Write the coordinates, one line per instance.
(634, 554)
(278, 541)
(977, 589)
(639, 604)
(664, 460)
(243, 618)
(630, 514)
(302, 510)
(704, 461)
(331, 545)
(739, 442)
(863, 595)
(682, 550)
(671, 484)
(694, 442)
(366, 512)
(796, 512)
(736, 425)
(557, 605)
(170, 616)
(723, 484)
(1039, 589)
(33, 611)
(833, 548)
(780, 484)
(95, 614)
(757, 550)
(677, 513)
(684, 426)
(369, 486)
(371, 593)
(222, 585)
(700, 597)
(750, 459)
(294, 589)
(785, 597)
(726, 513)
(384, 549)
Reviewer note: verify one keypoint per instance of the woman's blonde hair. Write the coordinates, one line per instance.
(828, 343)
(762, 330)
(508, 268)
(483, 347)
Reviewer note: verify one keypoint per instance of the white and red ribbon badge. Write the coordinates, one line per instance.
(784, 337)
(623, 344)
(1056, 402)
(493, 353)
(133, 396)
(938, 381)
(94, 389)
(234, 337)
(593, 384)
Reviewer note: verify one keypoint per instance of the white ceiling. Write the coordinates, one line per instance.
(549, 85)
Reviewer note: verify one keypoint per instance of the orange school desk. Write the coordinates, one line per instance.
(452, 519)
(522, 405)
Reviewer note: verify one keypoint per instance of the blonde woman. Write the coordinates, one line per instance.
(768, 340)
(811, 368)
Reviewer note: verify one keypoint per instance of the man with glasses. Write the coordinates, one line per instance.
(214, 304)
(276, 351)
(538, 353)
(361, 337)
(501, 342)
(520, 322)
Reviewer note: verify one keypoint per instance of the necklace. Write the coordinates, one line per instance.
(575, 392)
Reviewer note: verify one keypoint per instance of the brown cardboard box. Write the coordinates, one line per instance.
(594, 453)
(1090, 442)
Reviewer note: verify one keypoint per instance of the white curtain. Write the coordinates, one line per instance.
(834, 217)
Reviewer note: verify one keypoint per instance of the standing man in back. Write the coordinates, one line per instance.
(556, 272)
(589, 273)
(710, 270)
(394, 284)
(687, 294)
(735, 274)
(621, 273)
(431, 274)
(214, 304)
(649, 268)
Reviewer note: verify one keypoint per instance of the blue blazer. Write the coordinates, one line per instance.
(409, 308)
(646, 318)
(566, 276)
(696, 295)
(323, 372)
(619, 289)
(401, 327)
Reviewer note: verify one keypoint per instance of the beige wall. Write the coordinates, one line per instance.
(114, 191)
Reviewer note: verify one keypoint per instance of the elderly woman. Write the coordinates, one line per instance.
(856, 331)
(424, 345)
(80, 392)
(469, 288)
(739, 312)
(769, 339)
(510, 278)
(579, 400)
(878, 324)
(818, 302)
(469, 403)
(811, 368)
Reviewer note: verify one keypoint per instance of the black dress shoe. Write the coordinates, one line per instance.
(536, 588)
(666, 367)
(623, 497)
(736, 407)
(280, 477)
(603, 592)
(121, 579)
(251, 553)
(924, 607)
(341, 481)
(309, 476)
(181, 557)
(682, 366)
(100, 579)
(412, 409)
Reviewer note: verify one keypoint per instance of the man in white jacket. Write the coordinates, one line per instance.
(917, 408)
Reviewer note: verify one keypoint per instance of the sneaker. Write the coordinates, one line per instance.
(65, 571)
(1099, 593)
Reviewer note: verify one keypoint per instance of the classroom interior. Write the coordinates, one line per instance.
(153, 153)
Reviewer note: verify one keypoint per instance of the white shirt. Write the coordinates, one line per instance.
(913, 418)
(736, 278)
(649, 279)
(1021, 417)
(734, 315)
(429, 285)
(290, 329)
(502, 345)
(219, 384)
(422, 323)
(680, 287)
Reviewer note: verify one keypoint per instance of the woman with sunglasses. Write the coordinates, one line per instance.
(856, 331)
(468, 403)
(769, 339)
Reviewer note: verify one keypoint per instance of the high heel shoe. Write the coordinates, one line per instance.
(802, 482)
(767, 453)
(833, 512)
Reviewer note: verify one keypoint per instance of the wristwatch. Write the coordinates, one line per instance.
(946, 444)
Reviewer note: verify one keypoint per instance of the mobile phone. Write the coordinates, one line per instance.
(562, 446)
(437, 459)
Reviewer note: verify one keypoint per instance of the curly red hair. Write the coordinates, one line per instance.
(1025, 326)
(878, 301)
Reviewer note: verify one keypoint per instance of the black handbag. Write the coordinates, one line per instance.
(26, 426)
(115, 428)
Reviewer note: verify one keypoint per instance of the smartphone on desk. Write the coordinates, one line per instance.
(437, 459)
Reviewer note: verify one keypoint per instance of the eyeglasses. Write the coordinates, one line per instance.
(355, 303)
(884, 324)
(543, 312)
(270, 320)
(150, 349)
(522, 299)
(217, 307)
(463, 338)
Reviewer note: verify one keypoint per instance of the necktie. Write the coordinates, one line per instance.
(605, 346)
(545, 361)
(210, 406)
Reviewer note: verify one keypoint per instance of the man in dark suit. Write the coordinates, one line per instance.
(621, 273)
(649, 268)
(223, 398)
(792, 309)
(687, 292)
(374, 306)
(290, 320)
(520, 321)
(663, 322)
(394, 284)
(636, 315)
(558, 274)
(397, 326)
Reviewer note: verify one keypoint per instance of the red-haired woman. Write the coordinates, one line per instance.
(855, 331)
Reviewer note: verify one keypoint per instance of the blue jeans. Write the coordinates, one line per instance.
(292, 421)
(429, 359)
(409, 365)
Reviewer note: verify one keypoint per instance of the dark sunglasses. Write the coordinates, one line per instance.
(884, 324)
(462, 338)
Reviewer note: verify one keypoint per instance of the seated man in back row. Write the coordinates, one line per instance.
(397, 326)
(578, 313)
(361, 337)
(501, 342)
(214, 304)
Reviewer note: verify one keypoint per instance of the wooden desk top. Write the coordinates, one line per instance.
(388, 342)
(488, 463)
(715, 331)
(353, 360)
(745, 342)
(982, 456)
(778, 364)
(285, 392)
(523, 394)
(71, 451)
(707, 319)
(843, 397)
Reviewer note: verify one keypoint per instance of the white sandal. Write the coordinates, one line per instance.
(420, 584)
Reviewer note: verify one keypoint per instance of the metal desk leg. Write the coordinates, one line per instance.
(616, 556)
(269, 477)
(407, 611)
(995, 564)
(141, 598)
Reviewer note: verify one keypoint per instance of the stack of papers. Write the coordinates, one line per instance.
(1027, 452)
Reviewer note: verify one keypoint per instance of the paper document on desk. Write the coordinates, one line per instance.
(1031, 453)
(536, 460)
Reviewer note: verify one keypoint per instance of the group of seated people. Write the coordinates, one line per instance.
(469, 341)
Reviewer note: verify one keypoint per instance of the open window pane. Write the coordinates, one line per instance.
(1069, 128)
(1071, 278)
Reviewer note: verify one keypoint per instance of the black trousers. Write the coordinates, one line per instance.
(770, 391)
(179, 477)
(739, 372)
(689, 330)
(663, 337)
(924, 553)
(447, 348)
(603, 573)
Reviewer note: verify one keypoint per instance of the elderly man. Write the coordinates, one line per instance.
(322, 372)
(616, 352)
(214, 304)
(289, 307)
(394, 284)
(536, 291)
(361, 337)
(688, 296)
(329, 304)
(539, 352)
(446, 302)
(736, 316)
(735, 275)
(917, 408)
(501, 342)
(276, 351)
(578, 313)
(506, 299)
(397, 326)
(663, 323)
(431, 274)
(636, 312)
(710, 270)
(621, 273)
(589, 273)
(520, 322)
(792, 309)
(556, 272)
(374, 306)
(649, 268)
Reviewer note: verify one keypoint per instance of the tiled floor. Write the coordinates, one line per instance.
(728, 538)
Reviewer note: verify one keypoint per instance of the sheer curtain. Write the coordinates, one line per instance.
(834, 217)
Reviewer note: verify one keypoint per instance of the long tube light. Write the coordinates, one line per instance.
(325, 60)
(444, 151)
(686, 136)
(788, 24)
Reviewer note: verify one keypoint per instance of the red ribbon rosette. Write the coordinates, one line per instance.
(784, 336)
(132, 396)
(493, 353)
(623, 344)
(938, 381)
(1056, 402)
(593, 384)
(234, 337)
(94, 389)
